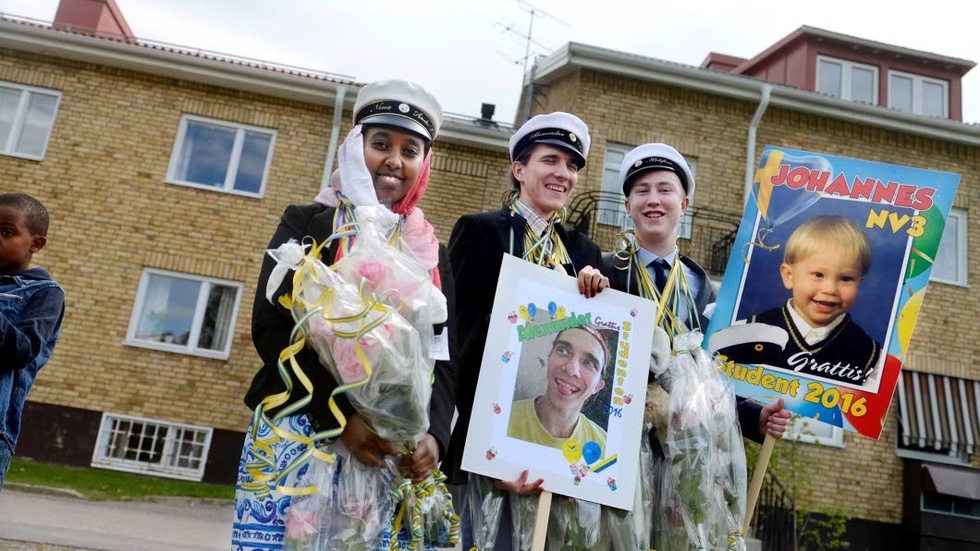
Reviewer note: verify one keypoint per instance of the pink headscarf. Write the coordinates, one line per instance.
(417, 233)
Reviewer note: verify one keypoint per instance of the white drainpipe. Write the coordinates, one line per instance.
(750, 148)
(338, 117)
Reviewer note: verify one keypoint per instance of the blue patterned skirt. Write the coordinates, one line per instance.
(260, 521)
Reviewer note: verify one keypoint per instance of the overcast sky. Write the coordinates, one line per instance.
(468, 52)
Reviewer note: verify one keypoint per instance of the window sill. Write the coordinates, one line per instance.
(216, 189)
(178, 349)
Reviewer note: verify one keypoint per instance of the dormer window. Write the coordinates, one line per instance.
(918, 94)
(847, 79)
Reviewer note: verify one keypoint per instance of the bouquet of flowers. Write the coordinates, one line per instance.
(369, 318)
(703, 496)
(574, 524)
(630, 530)
(486, 504)
(347, 506)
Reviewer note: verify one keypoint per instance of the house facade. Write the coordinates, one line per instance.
(166, 170)
(896, 490)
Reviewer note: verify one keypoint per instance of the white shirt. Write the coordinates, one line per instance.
(694, 280)
(812, 335)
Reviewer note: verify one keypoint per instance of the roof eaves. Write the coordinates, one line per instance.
(475, 133)
(173, 61)
(574, 56)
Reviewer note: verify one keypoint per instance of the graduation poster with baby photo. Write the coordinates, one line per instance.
(562, 386)
(825, 281)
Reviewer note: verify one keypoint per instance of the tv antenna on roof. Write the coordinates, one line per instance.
(533, 11)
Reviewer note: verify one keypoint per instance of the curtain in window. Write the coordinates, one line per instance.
(217, 318)
(153, 316)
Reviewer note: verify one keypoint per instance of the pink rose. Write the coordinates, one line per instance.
(300, 525)
(372, 270)
(349, 366)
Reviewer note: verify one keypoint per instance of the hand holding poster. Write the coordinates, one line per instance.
(561, 390)
(825, 281)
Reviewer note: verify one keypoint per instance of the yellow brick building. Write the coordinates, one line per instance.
(128, 221)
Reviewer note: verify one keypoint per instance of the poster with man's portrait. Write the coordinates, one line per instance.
(562, 386)
(825, 280)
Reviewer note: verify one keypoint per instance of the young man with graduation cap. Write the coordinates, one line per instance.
(659, 187)
(546, 154)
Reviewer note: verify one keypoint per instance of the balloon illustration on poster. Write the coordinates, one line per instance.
(779, 203)
(926, 246)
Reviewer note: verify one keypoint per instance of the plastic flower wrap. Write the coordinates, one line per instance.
(703, 495)
(486, 504)
(523, 513)
(350, 510)
(369, 318)
(630, 530)
(574, 524)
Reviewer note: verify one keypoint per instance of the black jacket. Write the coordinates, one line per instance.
(476, 248)
(623, 276)
(272, 324)
(627, 280)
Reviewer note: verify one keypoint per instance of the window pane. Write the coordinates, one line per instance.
(937, 502)
(947, 262)
(217, 318)
(251, 167)
(900, 93)
(37, 124)
(862, 85)
(9, 100)
(966, 506)
(610, 209)
(933, 99)
(205, 154)
(829, 78)
(168, 309)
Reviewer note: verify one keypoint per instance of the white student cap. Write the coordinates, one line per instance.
(399, 103)
(559, 129)
(656, 156)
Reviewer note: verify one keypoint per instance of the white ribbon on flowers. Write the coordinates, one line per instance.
(287, 257)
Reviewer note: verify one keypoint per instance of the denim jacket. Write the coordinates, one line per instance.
(32, 306)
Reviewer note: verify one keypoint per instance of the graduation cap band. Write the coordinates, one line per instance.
(399, 109)
(550, 135)
(648, 163)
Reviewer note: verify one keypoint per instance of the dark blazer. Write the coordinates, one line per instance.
(847, 345)
(476, 249)
(272, 324)
(623, 276)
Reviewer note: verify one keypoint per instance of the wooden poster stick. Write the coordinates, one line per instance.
(541, 521)
(758, 475)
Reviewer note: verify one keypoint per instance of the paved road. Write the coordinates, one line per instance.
(61, 522)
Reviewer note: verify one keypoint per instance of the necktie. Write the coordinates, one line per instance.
(660, 269)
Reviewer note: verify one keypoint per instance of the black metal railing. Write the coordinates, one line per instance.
(775, 523)
(708, 240)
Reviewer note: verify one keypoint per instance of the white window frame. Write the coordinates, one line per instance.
(962, 252)
(847, 68)
(102, 456)
(917, 81)
(621, 218)
(233, 163)
(799, 430)
(611, 188)
(20, 119)
(198, 319)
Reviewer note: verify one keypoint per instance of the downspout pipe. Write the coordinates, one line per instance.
(753, 131)
(338, 118)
